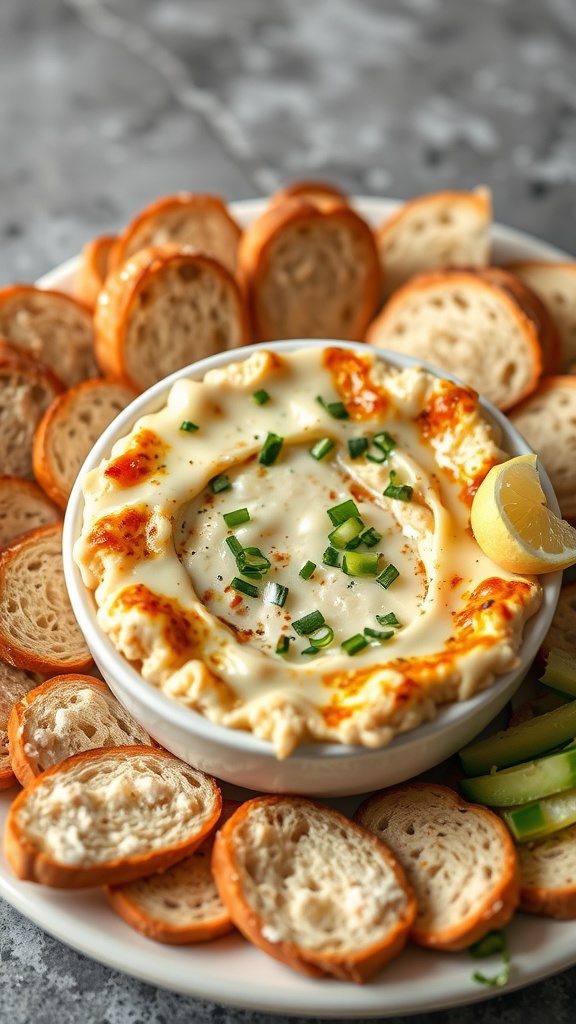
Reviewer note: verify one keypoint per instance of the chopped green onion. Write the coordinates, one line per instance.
(310, 650)
(275, 593)
(283, 645)
(188, 426)
(261, 397)
(377, 634)
(354, 644)
(493, 942)
(308, 623)
(242, 587)
(354, 543)
(357, 446)
(360, 563)
(345, 532)
(384, 442)
(251, 561)
(321, 448)
(388, 620)
(378, 459)
(322, 637)
(307, 570)
(340, 513)
(387, 576)
(401, 491)
(271, 449)
(336, 409)
(234, 545)
(220, 483)
(331, 557)
(237, 517)
(370, 537)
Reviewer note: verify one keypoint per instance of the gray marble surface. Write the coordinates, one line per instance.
(104, 106)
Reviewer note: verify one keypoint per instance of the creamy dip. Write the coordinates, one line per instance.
(285, 547)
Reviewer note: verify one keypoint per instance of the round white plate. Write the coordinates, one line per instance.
(230, 970)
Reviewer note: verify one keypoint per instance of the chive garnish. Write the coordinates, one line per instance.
(357, 446)
(331, 557)
(321, 448)
(322, 637)
(234, 545)
(220, 483)
(308, 623)
(384, 442)
(387, 576)
(378, 634)
(307, 570)
(242, 587)
(360, 563)
(261, 397)
(354, 644)
(237, 517)
(388, 620)
(370, 537)
(354, 543)
(378, 459)
(188, 426)
(345, 532)
(283, 645)
(493, 942)
(401, 491)
(340, 513)
(336, 409)
(271, 450)
(251, 562)
(310, 650)
(275, 593)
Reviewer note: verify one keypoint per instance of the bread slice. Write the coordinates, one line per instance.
(63, 716)
(54, 327)
(186, 218)
(547, 420)
(535, 310)
(319, 193)
(180, 905)
(108, 816)
(458, 857)
(93, 269)
(309, 272)
(14, 684)
(466, 325)
(68, 430)
(312, 888)
(38, 630)
(555, 285)
(562, 631)
(164, 308)
(27, 387)
(437, 230)
(23, 506)
(548, 875)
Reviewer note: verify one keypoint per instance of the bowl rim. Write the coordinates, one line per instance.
(174, 712)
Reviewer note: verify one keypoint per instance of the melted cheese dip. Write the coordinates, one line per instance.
(411, 612)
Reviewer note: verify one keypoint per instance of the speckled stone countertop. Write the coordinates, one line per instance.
(107, 105)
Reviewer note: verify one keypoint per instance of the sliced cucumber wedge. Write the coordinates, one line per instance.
(560, 672)
(525, 782)
(521, 742)
(541, 817)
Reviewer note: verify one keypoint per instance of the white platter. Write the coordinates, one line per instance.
(233, 972)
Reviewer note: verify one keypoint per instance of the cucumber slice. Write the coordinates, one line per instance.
(521, 742)
(560, 672)
(542, 817)
(525, 782)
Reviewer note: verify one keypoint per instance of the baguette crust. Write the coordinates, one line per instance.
(38, 630)
(23, 506)
(309, 272)
(53, 327)
(67, 828)
(320, 193)
(93, 268)
(185, 219)
(14, 684)
(555, 285)
(141, 339)
(548, 875)
(535, 310)
(27, 387)
(63, 716)
(420, 821)
(69, 428)
(303, 852)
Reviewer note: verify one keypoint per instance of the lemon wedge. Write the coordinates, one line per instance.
(513, 524)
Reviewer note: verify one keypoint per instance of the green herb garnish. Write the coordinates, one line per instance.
(188, 426)
(261, 397)
(220, 483)
(321, 448)
(403, 492)
(387, 576)
(237, 517)
(271, 450)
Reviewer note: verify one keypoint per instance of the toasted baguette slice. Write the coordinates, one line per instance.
(27, 387)
(548, 875)
(23, 506)
(437, 230)
(108, 816)
(562, 631)
(472, 327)
(93, 269)
(180, 905)
(319, 193)
(309, 272)
(165, 308)
(534, 309)
(68, 430)
(186, 218)
(547, 420)
(63, 716)
(14, 684)
(38, 630)
(54, 327)
(458, 857)
(311, 888)
(555, 285)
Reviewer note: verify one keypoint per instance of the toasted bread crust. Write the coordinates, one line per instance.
(319, 193)
(555, 285)
(535, 309)
(93, 268)
(547, 877)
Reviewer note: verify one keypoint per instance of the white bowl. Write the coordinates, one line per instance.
(238, 757)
